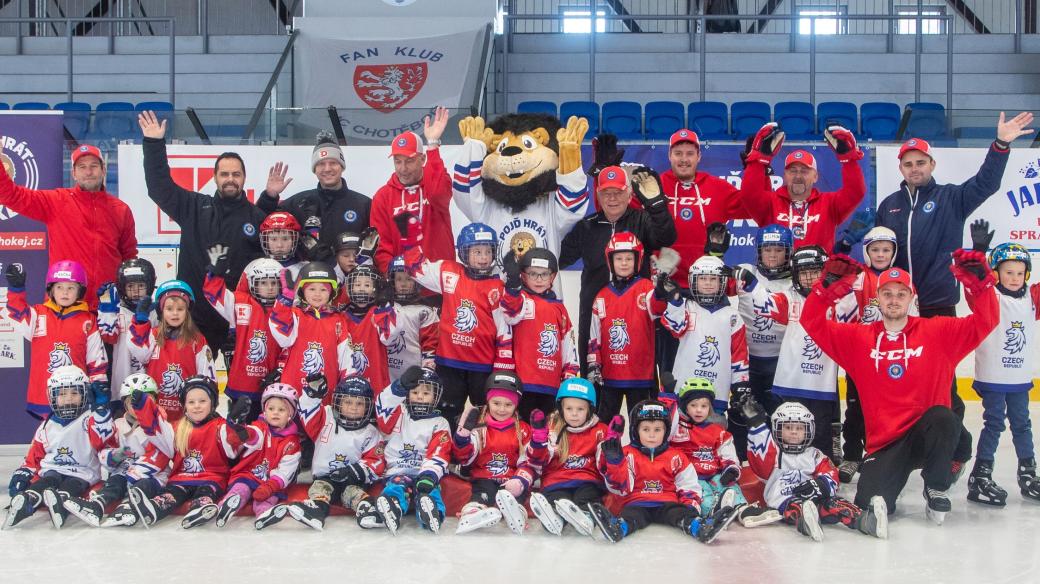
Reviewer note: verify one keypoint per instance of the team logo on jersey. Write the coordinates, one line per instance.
(763, 322)
(498, 466)
(411, 456)
(896, 370)
(651, 487)
(172, 380)
(872, 311)
(465, 317)
(338, 461)
(350, 216)
(397, 345)
(64, 457)
(249, 229)
(928, 207)
(549, 341)
(1016, 338)
(192, 463)
(575, 462)
(262, 470)
(358, 358)
(619, 338)
(257, 347)
(313, 358)
(709, 354)
(59, 357)
(810, 350)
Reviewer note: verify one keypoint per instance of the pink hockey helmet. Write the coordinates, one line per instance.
(67, 271)
(284, 391)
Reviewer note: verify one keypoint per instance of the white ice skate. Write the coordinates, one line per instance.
(512, 511)
(545, 513)
(810, 522)
(476, 516)
(575, 517)
(755, 516)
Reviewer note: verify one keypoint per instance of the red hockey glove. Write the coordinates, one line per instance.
(843, 142)
(766, 144)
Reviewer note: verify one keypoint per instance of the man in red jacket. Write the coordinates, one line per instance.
(85, 223)
(903, 366)
(420, 186)
(811, 216)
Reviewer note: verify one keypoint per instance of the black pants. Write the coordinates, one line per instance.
(852, 429)
(610, 400)
(115, 488)
(531, 401)
(587, 493)
(67, 484)
(460, 384)
(667, 514)
(761, 371)
(928, 445)
(962, 453)
(825, 413)
(665, 348)
(174, 495)
(484, 491)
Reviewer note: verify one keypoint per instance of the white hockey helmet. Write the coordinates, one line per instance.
(708, 266)
(137, 382)
(793, 413)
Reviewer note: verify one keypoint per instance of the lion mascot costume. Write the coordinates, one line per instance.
(522, 176)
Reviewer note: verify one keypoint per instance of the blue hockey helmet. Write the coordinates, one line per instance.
(1007, 252)
(473, 235)
(774, 235)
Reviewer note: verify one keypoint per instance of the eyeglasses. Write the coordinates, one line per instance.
(539, 275)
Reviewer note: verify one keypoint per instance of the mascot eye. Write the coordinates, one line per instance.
(502, 145)
(529, 143)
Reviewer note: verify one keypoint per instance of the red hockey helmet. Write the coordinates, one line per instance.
(279, 222)
(623, 241)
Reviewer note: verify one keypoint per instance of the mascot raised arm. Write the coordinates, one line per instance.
(522, 175)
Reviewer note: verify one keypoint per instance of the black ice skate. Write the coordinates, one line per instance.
(89, 511)
(610, 526)
(122, 516)
(983, 489)
(1028, 483)
(391, 511)
(22, 506)
(309, 513)
(270, 517)
(430, 517)
(53, 499)
(938, 505)
(228, 508)
(202, 510)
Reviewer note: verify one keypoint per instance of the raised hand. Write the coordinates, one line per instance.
(981, 236)
(473, 127)
(1008, 130)
(574, 132)
(434, 129)
(15, 274)
(276, 181)
(218, 259)
(151, 127)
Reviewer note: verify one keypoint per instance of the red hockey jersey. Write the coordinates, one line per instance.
(170, 364)
(641, 480)
(276, 459)
(542, 344)
(622, 336)
(496, 453)
(317, 341)
(579, 466)
(256, 351)
(368, 337)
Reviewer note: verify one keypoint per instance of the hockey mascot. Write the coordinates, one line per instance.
(522, 175)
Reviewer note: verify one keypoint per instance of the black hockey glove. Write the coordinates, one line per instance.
(352, 474)
(981, 236)
(238, 411)
(813, 489)
(317, 386)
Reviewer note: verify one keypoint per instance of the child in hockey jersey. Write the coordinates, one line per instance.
(174, 350)
(249, 314)
(348, 452)
(117, 303)
(801, 482)
(494, 443)
(61, 331)
(1004, 373)
(543, 349)
(417, 452)
(201, 445)
(265, 474)
(62, 461)
(369, 316)
(621, 339)
(132, 461)
(657, 483)
(413, 341)
(304, 322)
(570, 480)
(472, 331)
(279, 235)
(710, 447)
(352, 250)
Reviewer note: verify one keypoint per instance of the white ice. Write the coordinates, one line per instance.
(977, 545)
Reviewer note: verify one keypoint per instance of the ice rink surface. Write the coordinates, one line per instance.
(978, 545)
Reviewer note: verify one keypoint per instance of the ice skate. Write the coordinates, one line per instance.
(874, 520)
(712, 526)
(546, 515)
(228, 508)
(122, 516)
(199, 514)
(52, 499)
(580, 520)
(611, 527)
(983, 489)
(390, 509)
(367, 516)
(309, 513)
(807, 520)
(22, 506)
(476, 516)
(89, 511)
(143, 507)
(430, 517)
(270, 517)
(847, 471)
(938, 505)
(1028, 483)
(755, 516)
(512, 511)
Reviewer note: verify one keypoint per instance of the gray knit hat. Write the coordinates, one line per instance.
(327, 148)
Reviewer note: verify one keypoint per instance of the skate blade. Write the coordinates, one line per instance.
(272, 516)
(545, 514)
(297, 513)
(204, 516)
(512, 511)
(811, 517)
(725, 521)
(576, 518)
(473, 522)
(76, 510)
(937, 517)
(228, 509)
(389, 519)
(137, 503)
(51, 500)
(877, 503)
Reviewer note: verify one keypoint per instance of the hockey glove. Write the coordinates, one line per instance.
(605, 153)
(317, 386)
(718, 241)
(539, 426)
(839, 267)
(410, 229)
(426, 482)
(512, 270)
(616, 428)
(369, 242)
(646, 185)
(667, 290)
(218, 260)
(595, 374)
(118, 456)
(729, 476)
(352, 474)
(272, 377)
(288, 294)
(970, 269)
(813, 489)
(143, 313)
(745, 277)
(15, 274)
(20, 481)
(266, 490)
(410, 378)
(753, 412)
(862, 222)
(108, 298)
(765, 144)
(843, 142)
(612, 450)
(239, 430)
(238, 411)
(100, 392)
(469, 423)
(516, 487)
(981, 236)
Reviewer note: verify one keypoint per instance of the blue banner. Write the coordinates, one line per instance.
(31, 151)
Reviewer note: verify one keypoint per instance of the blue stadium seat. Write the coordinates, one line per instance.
(842, 113)
(747, 117)
(663, 118)
(76, 117)
(536, 107)
(4, 106)
(796, 118)
(710, 119)
(163, 110)
(114, 120)
(583, 109)
(624, 119)
(31, 105)
(880, 120)
(927, 120)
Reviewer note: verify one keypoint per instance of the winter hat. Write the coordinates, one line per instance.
(327, 148)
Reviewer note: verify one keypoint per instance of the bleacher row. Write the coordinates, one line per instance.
(714, 120)
(110, 120)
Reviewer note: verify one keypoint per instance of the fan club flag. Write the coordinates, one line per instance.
(31, 153)
(384, 87)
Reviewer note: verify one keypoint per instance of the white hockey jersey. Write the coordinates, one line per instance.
(712, 345)
(1004, 360)
(146, 461)
(413, 339)
(783, 472)
(764, 334)
(71, 449)
(114, 328)
(336, 447)
(412, 446)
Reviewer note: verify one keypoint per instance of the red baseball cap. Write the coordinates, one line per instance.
(800, 157)
(684, 135)
(612, 177)
(915, 144)
(896, 275)
(407, 144)
(86, 150)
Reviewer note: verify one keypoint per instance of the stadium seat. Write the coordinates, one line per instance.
(76, 117)
(163, 110)
(4, 106)
(31, 105)
(796, 118)
(747, 117)
(624, 119)
(663, 118)
(583, 109)
(536, 107)
(842, 113)
(880, 120)
(927, 120)
(709, 119)
(114, 120)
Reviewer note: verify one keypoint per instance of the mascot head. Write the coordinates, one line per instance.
(523, 156)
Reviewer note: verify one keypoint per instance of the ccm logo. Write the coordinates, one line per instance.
(19, 240)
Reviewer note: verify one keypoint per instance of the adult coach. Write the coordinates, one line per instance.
(84, 223)
(903, 366)
(227, 218)
(325, 211)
